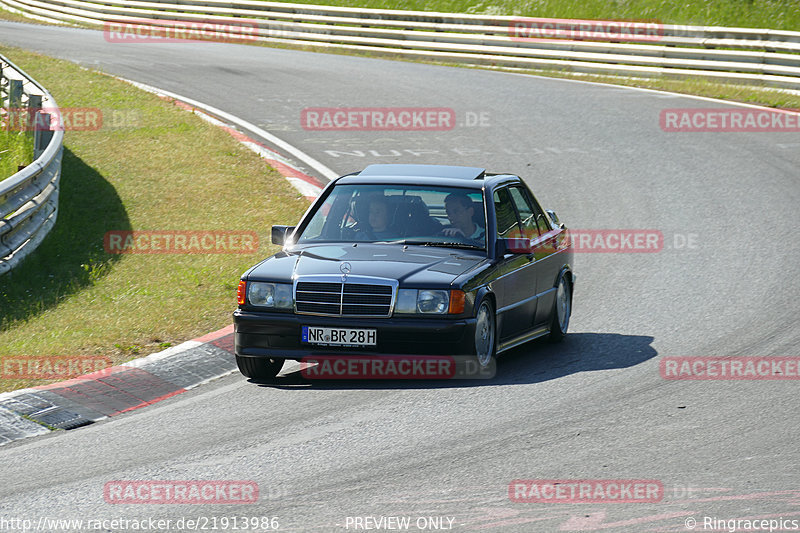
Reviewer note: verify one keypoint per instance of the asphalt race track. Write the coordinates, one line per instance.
(593, 408)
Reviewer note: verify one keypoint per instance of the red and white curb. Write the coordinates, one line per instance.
(119, 389)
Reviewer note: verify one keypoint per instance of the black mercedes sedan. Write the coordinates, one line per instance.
(408, 260)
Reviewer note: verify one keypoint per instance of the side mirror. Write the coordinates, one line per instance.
(280, 234)
(554, 218)
(521, 245)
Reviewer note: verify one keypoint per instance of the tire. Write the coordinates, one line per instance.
(562, 310)
(485, 341)
(259, 367)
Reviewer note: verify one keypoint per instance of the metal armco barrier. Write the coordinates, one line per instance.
(751, 56)
(29, 198)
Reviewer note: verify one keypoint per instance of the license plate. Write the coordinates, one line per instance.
(339, 336)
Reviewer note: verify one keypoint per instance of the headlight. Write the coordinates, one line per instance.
(425, 301)
(435, 302)
(273, 295)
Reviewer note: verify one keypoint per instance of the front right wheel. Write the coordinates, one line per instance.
(485, 334)
(562, 309)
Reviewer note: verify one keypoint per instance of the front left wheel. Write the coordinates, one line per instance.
(259, 367)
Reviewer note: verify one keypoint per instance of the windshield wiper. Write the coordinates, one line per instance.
(461, 245)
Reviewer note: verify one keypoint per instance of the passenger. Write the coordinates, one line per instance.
(461, 211)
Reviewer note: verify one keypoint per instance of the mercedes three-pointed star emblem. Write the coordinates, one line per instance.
(345, 268)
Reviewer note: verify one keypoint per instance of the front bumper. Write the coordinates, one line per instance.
(277, 335)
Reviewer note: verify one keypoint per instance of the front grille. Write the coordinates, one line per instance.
(344, 299)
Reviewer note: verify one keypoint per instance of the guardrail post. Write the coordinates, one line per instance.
(34, 101)
(34, 106)
(41, 136)
(14, 94)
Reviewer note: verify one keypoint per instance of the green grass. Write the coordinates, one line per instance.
(152, 166)
(16, 17)
(16, 149)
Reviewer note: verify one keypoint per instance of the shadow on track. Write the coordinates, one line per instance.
(534, 362)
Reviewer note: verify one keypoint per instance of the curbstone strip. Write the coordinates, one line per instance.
(14, 427)
(50, 409)
(93, 397)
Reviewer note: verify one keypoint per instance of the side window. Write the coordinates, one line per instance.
(544, 226)
(541, 218)
(329, 219)
(507, 223)
(527, 212)
(315, 227)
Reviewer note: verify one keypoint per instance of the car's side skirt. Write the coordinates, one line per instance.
(522, 339)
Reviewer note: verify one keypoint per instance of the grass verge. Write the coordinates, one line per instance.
(16, 17)
(151, 166)
(16, 149)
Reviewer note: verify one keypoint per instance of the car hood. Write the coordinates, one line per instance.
(411, 265)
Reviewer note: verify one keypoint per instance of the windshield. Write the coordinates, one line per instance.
(400, 214)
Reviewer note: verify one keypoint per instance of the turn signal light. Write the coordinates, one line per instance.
(241, 292)
(457, 299)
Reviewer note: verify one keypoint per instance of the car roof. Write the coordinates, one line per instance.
(411, 174)
(424, 171)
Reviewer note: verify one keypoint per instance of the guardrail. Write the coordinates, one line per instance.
(753, 56)
(29, 198)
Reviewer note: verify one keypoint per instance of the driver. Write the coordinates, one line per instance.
(374, 220)
(460, 212)
(379, 217)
